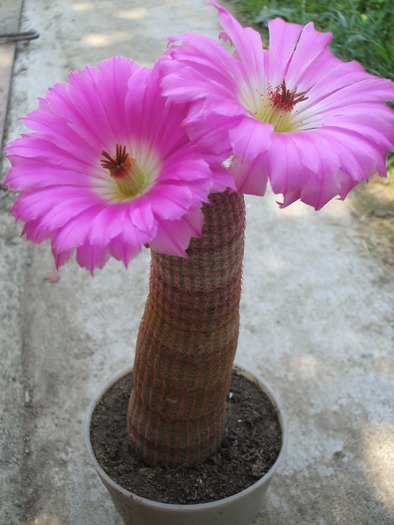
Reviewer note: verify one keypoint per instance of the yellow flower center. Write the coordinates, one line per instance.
(277, 107)
(129, 177)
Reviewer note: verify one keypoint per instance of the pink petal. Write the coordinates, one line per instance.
(283, 39)
(50, 125)
(222, 179)
(208, 125)
(302, 166)
(142, 217)
(62, 258)
(250, 139)
(286, 172)
(173, 237)
(71, 103)
(91, 257)
(366, 90)
(125, 247)
(318, 191)
(29, 231)
(53, 206)
(36, 174)
(40, 148)
(250, 175)
(74, 233)
(359, 157)
(108, 224)
(316, 153)
(198, 68)
(310, 45)
(247, 43)
(111, 80)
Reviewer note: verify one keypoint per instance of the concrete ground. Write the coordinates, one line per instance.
(316, 314)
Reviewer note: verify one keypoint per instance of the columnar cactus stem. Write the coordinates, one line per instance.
(187, 342)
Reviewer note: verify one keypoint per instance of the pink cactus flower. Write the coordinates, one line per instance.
(294, 114)
(108, 169)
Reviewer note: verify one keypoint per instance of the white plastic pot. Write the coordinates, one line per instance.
(239, 509)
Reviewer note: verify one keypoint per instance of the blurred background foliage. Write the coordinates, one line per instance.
(363, 30)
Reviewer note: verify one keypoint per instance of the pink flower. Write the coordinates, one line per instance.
(296, 114)
(108, 169)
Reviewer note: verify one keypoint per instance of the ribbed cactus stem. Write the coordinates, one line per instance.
(187, 342)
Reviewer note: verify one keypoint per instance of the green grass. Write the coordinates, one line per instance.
(362, 29)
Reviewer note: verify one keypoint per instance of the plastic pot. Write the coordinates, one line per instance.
(239, 509)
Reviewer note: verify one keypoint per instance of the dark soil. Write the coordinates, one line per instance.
(250, 447)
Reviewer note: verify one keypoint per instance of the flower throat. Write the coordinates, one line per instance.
(277, 107)
(130, 179)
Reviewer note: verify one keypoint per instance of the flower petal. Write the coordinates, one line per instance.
(250, 139)
(173, 239)
(247, 42)
(310, 46)
(283, 39)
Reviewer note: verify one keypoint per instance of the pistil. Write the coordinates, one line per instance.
(130, 179)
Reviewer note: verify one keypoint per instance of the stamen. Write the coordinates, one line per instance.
(129, 177)
(285, 99)
(276, 107)
(120, 165)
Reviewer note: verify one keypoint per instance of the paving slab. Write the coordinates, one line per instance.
(316, 319)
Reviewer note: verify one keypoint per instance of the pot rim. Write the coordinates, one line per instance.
(194, 506)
